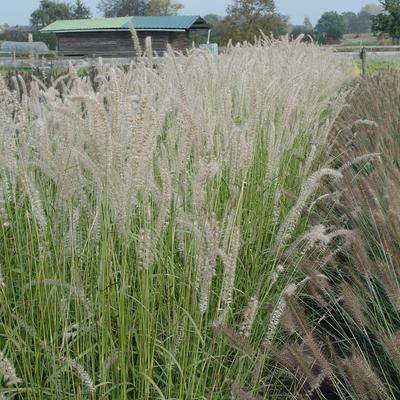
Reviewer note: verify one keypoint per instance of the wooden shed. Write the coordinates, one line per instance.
(111, 37)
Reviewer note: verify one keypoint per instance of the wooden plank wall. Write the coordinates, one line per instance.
(116, 44)
(179, 40)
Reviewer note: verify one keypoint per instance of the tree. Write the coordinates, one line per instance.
(308, 25)
(363, 22)
(388, 22)
(331, 27)
(163, 7)
(122, 8)
(350, 19)
(80, 11)
(372, 9)
(48, 12)
(246, 18)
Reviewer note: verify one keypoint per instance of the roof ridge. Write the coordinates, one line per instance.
(145, 22)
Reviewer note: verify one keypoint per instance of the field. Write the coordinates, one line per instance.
(375, 66)
(216, 228)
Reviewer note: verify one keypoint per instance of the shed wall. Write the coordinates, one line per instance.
(117, 43)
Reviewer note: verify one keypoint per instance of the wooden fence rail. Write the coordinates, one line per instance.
(8, 60)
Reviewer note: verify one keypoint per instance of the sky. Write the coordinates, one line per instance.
(16, 12)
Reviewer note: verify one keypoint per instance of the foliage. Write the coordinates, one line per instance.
(355, 318)
(351, 21)
(340, 322)
(357, 23)
(122, 8)
(50, 11)
(80, 11)
(372, 9)
(164, 7)
(247, 18)
(137, 216)
(388, 22)
(307, 24)
(330, 27)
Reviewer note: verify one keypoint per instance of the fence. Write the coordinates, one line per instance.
(51, 60)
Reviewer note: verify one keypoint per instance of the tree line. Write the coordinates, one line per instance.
(381, 19)
(50, 10)
(244, 19)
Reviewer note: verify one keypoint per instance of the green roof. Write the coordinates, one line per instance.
(179, 22)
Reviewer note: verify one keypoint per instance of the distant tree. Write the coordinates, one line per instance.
(80, 11)
(388, 22)
(163, 7)
(350, 19)
(122, 8)
(307, 24)
(372, 9)
(50, 11)
(331, 27)
(246, 18)
(364, 22)
(361, 22)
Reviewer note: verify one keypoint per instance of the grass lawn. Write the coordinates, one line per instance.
(377, 66)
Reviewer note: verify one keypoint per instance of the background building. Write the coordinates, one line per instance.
(111, 37)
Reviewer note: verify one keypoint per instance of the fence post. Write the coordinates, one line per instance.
(363, 56)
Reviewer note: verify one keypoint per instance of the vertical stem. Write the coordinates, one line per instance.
(363, 56)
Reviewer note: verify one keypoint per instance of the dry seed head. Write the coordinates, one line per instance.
(82, 373)
(8, 371)
(239, 393)
(308, 188)
(392, 346)
(180, 335)
(2, 280)
(353, 305)
(316, 384)
(277, 315)
(145, 249)
(365, 122)
(249, 317)
(364, 158)
(316, 351)
(275, 275)
(363, 372)
(230, 261)
(234, 339)
(110, 361)
(71, 331)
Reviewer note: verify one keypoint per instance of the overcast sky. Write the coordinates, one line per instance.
(18, 11)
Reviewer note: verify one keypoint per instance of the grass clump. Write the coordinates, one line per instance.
(339, 327)
(142, 215)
